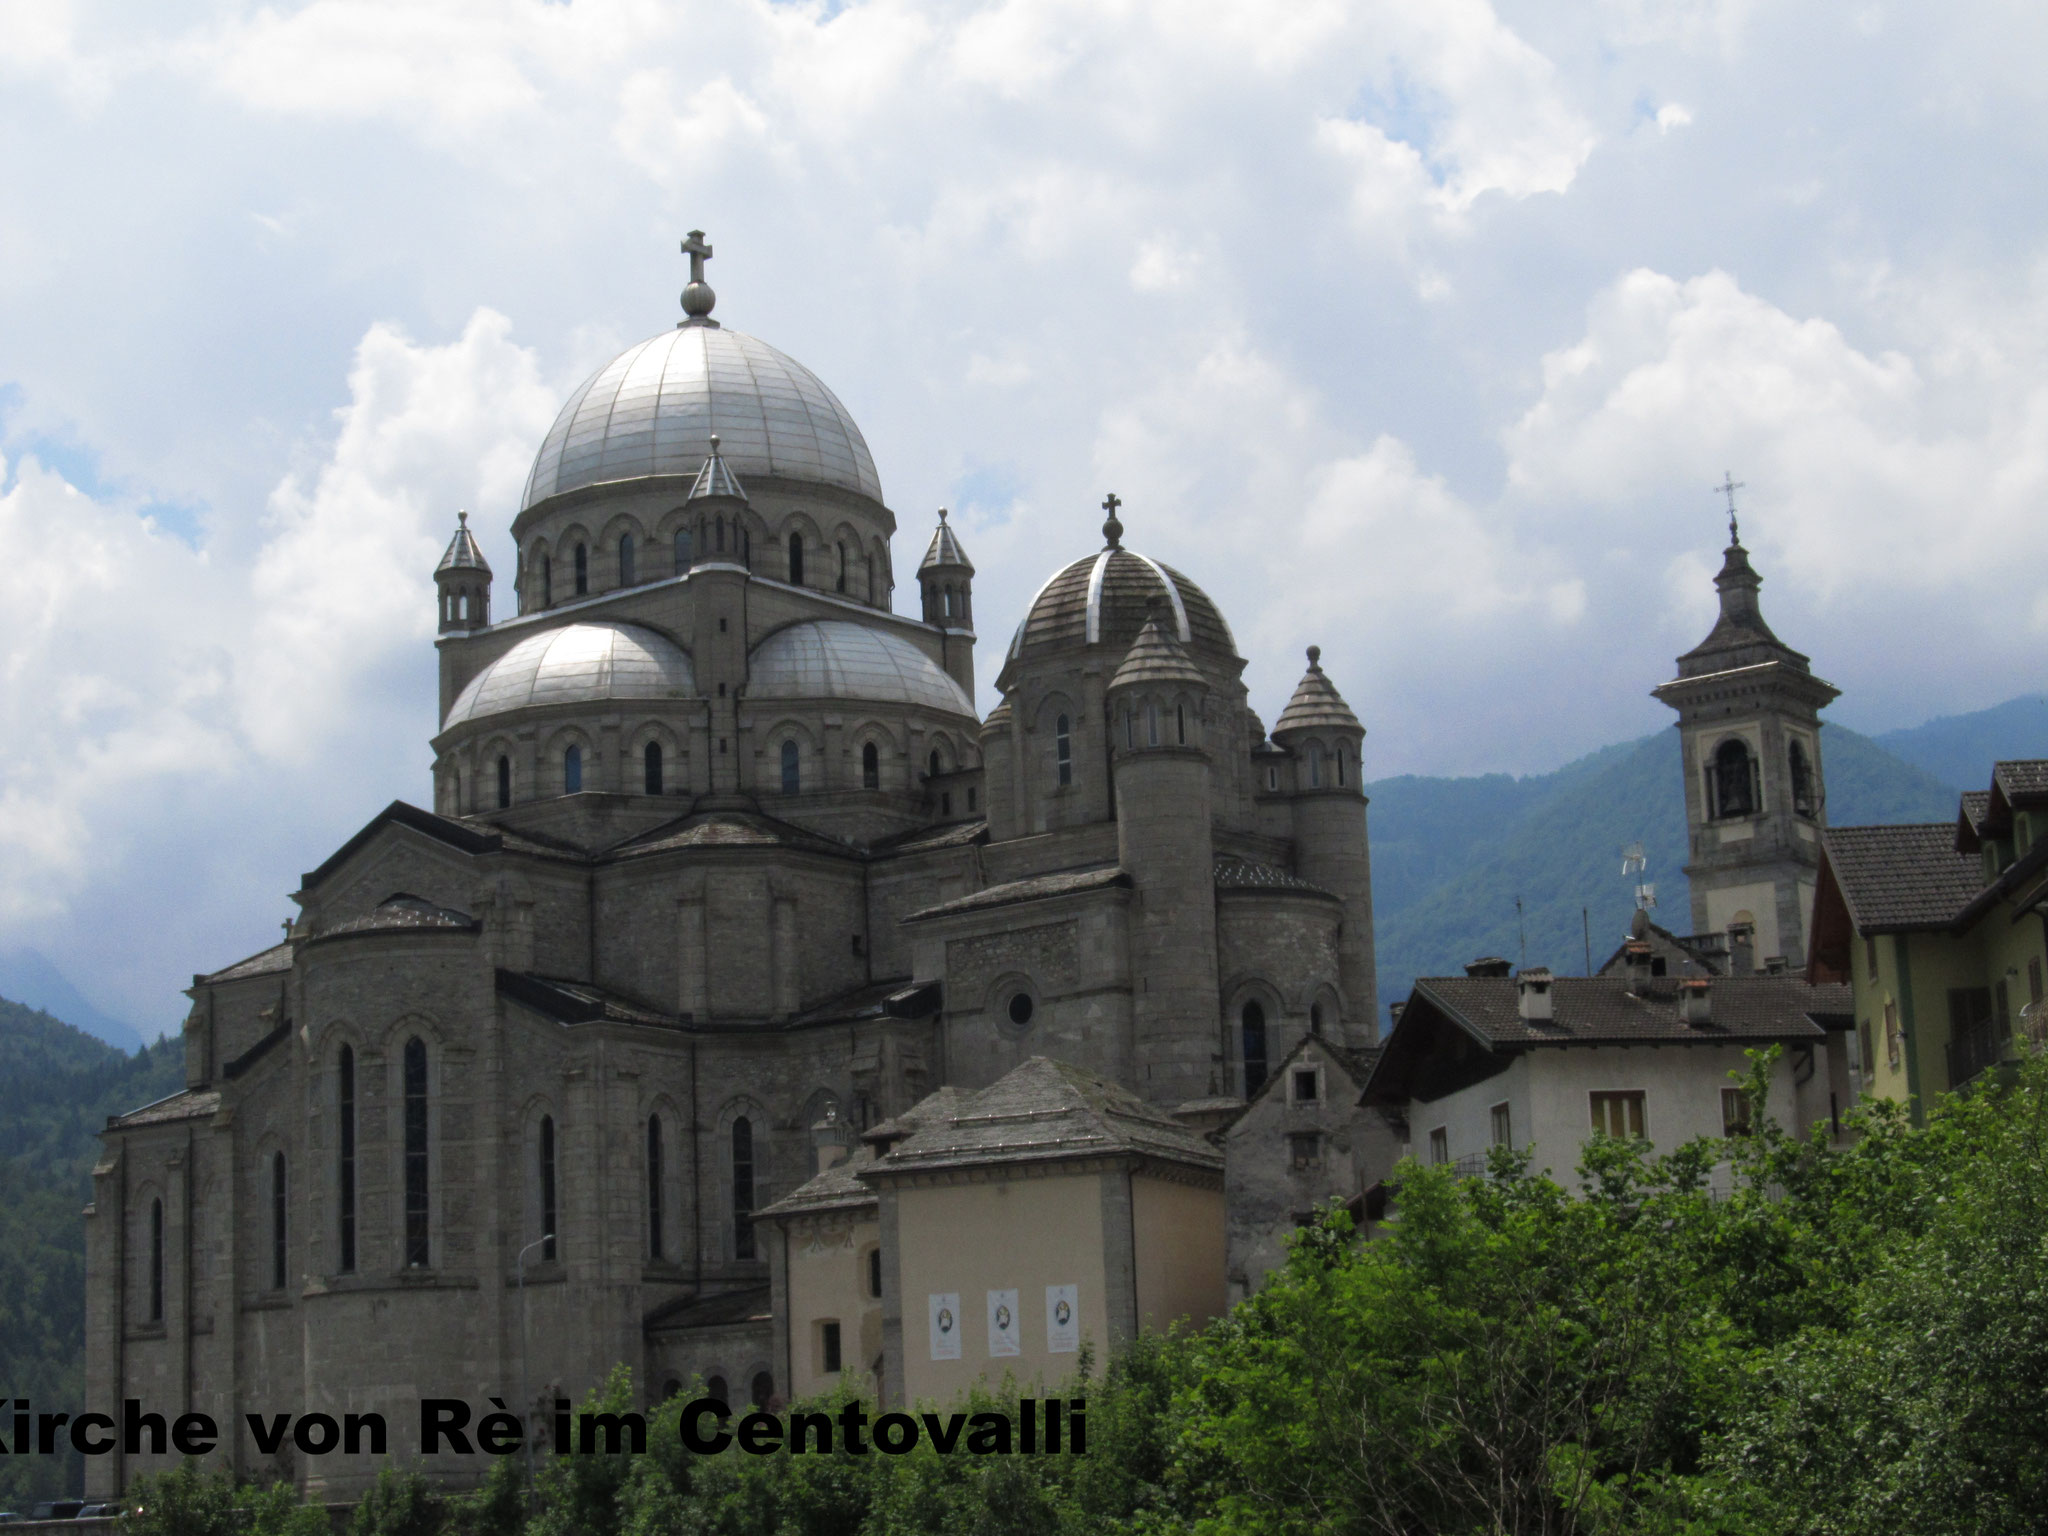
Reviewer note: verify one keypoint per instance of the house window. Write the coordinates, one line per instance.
(627, 574)
(415, 1067)
(345, 1087)
(546, 1171)
(1063, 750)
(504, 782)
(1305, 1085)
(796, 559)
(792, 768)
(1503, 1126)
(1734, 1112)
(1618, 1114)
(1252, 1031)
(875, 1274)
(1891, 1035)
(278, 1211)
(1733, 781)
(1864, 1050)
(572, 771)
(828, 1347)
(682, 550)
(650, 761)
(156, 1261)
(1439, 1146)
(870, 767)
(1305, 1149)
(654, 1243)
(1802, 779)
(1870, 954)
(582, 570)
(743, 1188)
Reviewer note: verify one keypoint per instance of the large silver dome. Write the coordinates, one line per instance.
(832, 659)
(652, 409)
(577, 664)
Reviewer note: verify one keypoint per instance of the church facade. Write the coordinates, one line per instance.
(719, 853)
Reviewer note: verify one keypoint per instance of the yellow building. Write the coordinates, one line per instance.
(1942, 931)
(991, 1233)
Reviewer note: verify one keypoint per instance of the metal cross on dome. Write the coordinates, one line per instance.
(697, 251)
(1728, 487)
(1112, 530)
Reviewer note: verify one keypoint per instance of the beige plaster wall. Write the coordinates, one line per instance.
(828, 1282)
(1179, 1235)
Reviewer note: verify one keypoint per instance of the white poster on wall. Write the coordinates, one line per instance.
(946, 1326)
(1062, 1319)
(1002, 1323)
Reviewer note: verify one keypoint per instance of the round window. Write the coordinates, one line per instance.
(1020, 1008)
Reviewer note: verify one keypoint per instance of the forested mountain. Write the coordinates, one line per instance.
(57, 1087)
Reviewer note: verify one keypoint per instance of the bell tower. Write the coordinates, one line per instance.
(945, 580)
(1755, 797)
(462, 582)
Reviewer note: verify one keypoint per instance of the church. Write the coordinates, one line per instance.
(722, 868)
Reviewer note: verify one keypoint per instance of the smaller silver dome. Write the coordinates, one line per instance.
(585, 663)
(833, 659)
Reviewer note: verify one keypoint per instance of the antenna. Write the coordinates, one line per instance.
(1586, 923)
(1635, 862)
(1646, 896)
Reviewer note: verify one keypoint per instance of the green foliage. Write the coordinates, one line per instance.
(400, 1503)
(188, 1502)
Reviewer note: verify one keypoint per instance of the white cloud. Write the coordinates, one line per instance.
(1671, 115)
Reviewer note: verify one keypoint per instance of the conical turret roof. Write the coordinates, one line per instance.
(1156, 656)
(716, 478)
(945, 550)
(1316, 704)
(463, 555)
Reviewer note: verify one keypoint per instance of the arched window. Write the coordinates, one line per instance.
(345, 1094)
(1315, 765)
(716, 1390)
(870, 767)
(792, 768)
(764, 1389)
(1802, 779)
(842, 566)
(654, 1244)
(547, 581)
(462, 606)
(1180, 723)
(1338, 756)
(651, 762)
(278, 1210)
(682, 550)
(1063, 749)
(871, 581)
(932, 764)
(743, 1188)
(796, 559)
(1151, 723)
(156, 1261)
(582, 570)
(572, 771)
(1253, 1020)
(1733, 780)
(416, 1253)
(1315, 1018)
(547, 1186)
(504, 782)
(627, 576)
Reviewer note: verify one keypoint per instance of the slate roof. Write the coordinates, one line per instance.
(1602, 1010)
(462, 553)
(265, 962)
(954, 834)
(1111, 587)
(945, 549)
(1156, 657)
(728, 829)
(1235, 874)
(896, 997)
(1316, 704)
(1903, 878)
(577, 1002)
(1036, 888)
(467, 834)
(187, 1104)
(722, 1309)
(838, 1188)
(1045, 1111)
(401, 913)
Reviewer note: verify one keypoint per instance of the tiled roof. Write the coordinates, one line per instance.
(1235, 874)
(1101, 600)
(577, 1002)
(1316, 704)
(400, 913)
(722, 1309)
(1156, 657)
(1903, 877)
(1036, 888)
(837, 1188)
(469, 835)
(1975, 803)
(1602, 1010)
(728, 829)
(190, 1104)
(1046, 1110)
(2022, 778)
(267, 962)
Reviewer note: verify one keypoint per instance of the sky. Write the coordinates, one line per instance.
(1417, 329)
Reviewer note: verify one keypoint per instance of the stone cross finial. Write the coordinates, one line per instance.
(1728, 487)
(1112, 530)
(697, 297)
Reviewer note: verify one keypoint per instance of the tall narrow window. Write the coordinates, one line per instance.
(870, 767)
(932, 764)
(796, 559)
(720, 525)
(1152, 723)
(1180, 723)
(547, 581)
(504, 782)
(277, 1222)
(746, 546)
(842, 567)
(1733, 781)
(547, 1187)
(743, 1188)
(1131, 728)
(1315, 766)
(627, 574)
(345, 1088)
(572, 771)
(1253, 1031)
(651, 762)
(156, 1261)
(582, 569)
(654, 1244)
(1802, 779)
(1063, 749)
(682, 550)
(792, 768)
(416, 1253)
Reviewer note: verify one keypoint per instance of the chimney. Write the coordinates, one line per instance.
(1394, 1009)
(1532, 995)
(1635, 965)
(1776, 965)
(830, 1138)
(1741, 949)
(1488, 965)
(1696, 1000)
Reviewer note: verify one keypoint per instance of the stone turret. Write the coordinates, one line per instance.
(945, 581)
(462, 582)
(1158, 702)
(718, 502)
(1325, 740)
